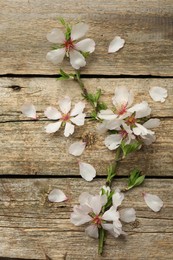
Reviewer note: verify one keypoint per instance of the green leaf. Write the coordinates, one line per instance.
(62, 21)
(129, 148)
(135, 179)
(85, 54)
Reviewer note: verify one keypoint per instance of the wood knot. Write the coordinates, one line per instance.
(89, 139)
(15, 87)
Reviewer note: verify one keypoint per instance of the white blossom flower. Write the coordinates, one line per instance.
(68, 117)
(153, 201)
(90, 211)
(158, 94)
(57, 195)
(127, 121)
(29, 110)
(77, 148)
(116, 44)
(87, 171)
(69, 47)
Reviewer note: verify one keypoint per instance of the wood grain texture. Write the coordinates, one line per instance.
(31, 226)
(27, 149)
(147, 27)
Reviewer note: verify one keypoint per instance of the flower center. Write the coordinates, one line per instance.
(69, 45)
(97, 220)
(122, 109)
(131, 120)
(65, 117)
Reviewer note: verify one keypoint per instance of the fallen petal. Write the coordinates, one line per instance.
(77, 148)
(87, 171)
(158, 94)
(116, 44)
(57, 195)
(29, 110)
(127, 215)
(153, 201)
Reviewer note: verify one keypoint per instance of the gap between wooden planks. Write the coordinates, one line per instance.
(27, 149)
(31, 226)
(146, 26)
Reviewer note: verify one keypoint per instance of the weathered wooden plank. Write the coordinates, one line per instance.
(43, 92)
(27, 149)
(147, 27)
(31, 226)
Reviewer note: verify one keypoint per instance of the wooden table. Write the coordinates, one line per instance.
(32, 163)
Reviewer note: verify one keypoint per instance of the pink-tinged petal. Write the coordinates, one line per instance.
(141, 130)
(92, 231)
(112, 142)
(79, 219)
(153, 202)
(84, 198)
(107, 114)
(56, 56)
(96, 203)
(69, 129)
(142, 109)
(110, 229)
(79, 119)
(114, 124)
(127, 215)
(152, 123)
(53, 127)
(122, 98)
(87, 171)
(52, 113)
(77, 148)
(149, 139)
(65, 104)
(111, 215)
(29, 110)
(57, 195)
(117, 198)
(78, 31)
(158, 94)
(103, 199)
(116, 44)
(77, 60)
(87, 45)
(56, 36)
(78, 109)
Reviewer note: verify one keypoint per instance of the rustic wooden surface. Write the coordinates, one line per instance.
(29, 150)
(32, 226)
(32, 162)
(147, 27)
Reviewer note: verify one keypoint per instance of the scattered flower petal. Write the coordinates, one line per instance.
(29, 110)
(158, 94)
(77, 148)
(57, 195)
(87, 171)
(127, 215)
(117, 198)
(153, 202)
(116, 44)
